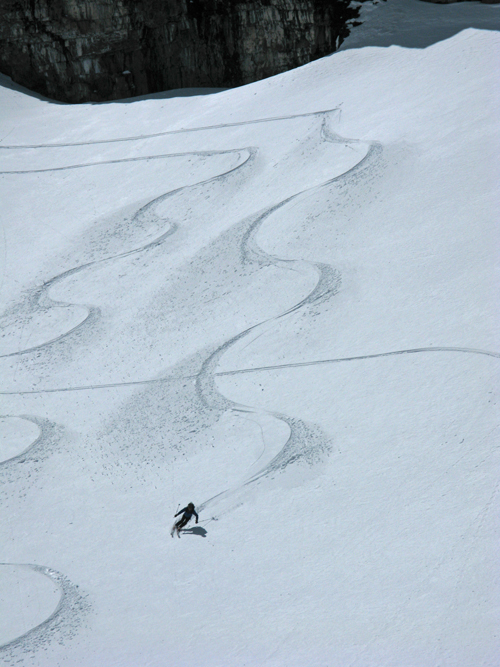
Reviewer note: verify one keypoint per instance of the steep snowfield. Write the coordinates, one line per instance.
(278, 302)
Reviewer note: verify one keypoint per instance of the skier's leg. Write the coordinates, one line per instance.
(180, 526)
(176, 527)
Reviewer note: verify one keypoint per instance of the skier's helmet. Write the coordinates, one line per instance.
(190, 506)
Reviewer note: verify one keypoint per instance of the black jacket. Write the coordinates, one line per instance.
(188, 513)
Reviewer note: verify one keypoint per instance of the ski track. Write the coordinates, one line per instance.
(38, 300)
(204, 128)
(48, 434)
(64, 622)
(306, 442)
(255, 369)
(129, 159)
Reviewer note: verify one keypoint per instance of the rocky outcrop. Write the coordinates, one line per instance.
(94, 50)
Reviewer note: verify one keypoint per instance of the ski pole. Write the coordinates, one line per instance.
(208, 520)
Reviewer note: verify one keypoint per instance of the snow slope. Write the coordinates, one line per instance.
(417, 23)
(278, 302)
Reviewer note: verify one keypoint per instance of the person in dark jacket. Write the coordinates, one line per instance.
(187, 514)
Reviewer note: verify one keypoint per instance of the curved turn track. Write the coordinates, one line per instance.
(63, 622)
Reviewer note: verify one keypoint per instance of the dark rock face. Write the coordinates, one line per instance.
(94, 50)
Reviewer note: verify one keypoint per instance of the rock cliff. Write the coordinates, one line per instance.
(94, 50)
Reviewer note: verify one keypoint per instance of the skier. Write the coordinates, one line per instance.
(187, 514)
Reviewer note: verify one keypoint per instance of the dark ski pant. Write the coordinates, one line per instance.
(181, 523)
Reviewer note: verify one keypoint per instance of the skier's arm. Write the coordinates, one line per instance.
(180, 512)
(196, 515)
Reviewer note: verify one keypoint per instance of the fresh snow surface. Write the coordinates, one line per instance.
(278, 302)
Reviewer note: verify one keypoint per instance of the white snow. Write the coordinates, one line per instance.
(417, 23)
(278, 302)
